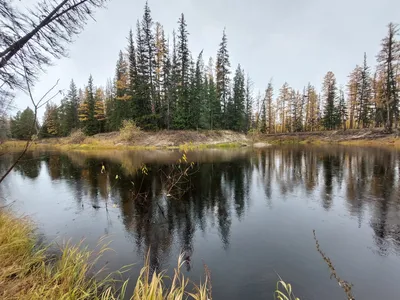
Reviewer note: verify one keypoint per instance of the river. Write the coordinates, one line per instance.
(247, 214)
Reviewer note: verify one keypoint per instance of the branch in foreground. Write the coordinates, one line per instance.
(346, 286)
(36, 107)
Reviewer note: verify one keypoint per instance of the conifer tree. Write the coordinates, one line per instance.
(238, 101)
(364, 96)
(249, 103)
(213, 102)
(143, 90)
(222, 77)
(342, 109)
(197, 97)
(87, 114)
(149, 55)
(132, 72)
(181, 120)
(331, 116)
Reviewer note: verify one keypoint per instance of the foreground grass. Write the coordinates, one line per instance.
(26, 272)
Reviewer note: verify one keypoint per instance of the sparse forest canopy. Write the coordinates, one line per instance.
(160, 84)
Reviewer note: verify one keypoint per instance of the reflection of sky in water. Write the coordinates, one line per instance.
(246, 215)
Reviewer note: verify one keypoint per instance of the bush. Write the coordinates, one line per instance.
(128, 130)
(77, 137)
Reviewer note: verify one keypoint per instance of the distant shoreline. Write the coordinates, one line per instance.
(191, 140)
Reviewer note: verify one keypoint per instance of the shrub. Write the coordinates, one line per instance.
(128, 130)
(77, 136)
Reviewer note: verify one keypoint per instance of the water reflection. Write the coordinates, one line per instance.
(217, 189)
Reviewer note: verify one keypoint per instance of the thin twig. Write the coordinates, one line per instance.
(346, 286)
(9, 204)
(36, 107)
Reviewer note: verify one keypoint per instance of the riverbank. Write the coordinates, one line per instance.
(140, 141)
(359, 137)
(190, 140)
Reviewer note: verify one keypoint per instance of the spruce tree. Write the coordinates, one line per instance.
(167, 86)
(239, 101)
(197, 103)
(222, 77)
(181, 118)
(331, 117)
(213, 103)
(249, 103)
(91, 126)
(342, 109)
(22, 125)
(132, 71)
(364, 96)
(149, 54)
(143, 90)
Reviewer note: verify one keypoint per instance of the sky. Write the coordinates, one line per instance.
(296, 41)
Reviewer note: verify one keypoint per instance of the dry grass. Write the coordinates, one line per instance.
(76, 137)
(26, 272)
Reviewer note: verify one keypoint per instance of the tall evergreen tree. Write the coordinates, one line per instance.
(364, 98)
(167, 86)
(249, 103)
(331, 117)
(88, 110)
(149, 53)
(213, 103)
(239, 101)
(222, 77)
(143, 90)
(133, 80)
(342, 109)
(22, 124)
(181, 117)
(197, 97)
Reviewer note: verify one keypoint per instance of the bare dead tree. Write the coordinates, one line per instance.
(33, 38)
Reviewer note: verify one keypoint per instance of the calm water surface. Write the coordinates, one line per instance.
(246, 214)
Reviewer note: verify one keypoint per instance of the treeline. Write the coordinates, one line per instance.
(159, 85)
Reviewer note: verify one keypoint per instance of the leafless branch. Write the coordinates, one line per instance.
(34, 125)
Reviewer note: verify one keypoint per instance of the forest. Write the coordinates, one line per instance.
(159, 84)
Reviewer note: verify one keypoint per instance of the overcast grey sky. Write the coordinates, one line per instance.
(296, 41)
